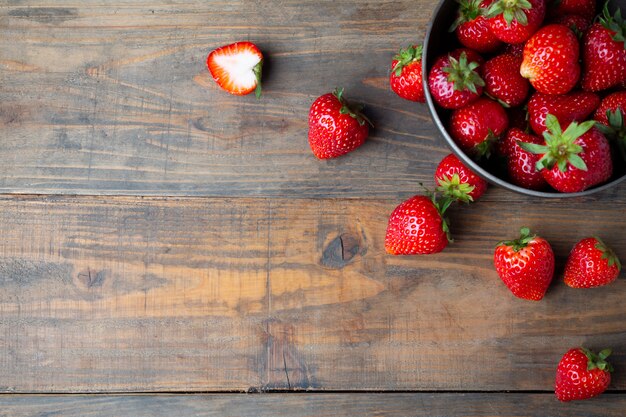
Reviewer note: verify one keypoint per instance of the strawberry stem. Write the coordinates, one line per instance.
(468, 11)
(353, 111)
(510, 10)
(608, 254)
(522, 242)
(463, 74)
(614, 23)
(454, 188)
(598, 361)
(258, 71)
(616, 130)
(405, 57)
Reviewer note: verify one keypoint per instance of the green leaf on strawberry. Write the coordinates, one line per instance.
(463, 74)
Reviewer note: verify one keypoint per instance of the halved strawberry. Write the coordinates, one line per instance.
(237, 68)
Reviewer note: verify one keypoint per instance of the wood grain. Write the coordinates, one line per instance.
(311, 405)
(113, 97)
(176, 294)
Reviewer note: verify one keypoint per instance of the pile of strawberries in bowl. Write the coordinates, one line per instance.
(529, 93)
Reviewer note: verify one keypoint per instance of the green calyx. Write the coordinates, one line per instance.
(258, 71)
(468, 11)
(598, 361)
(615, 131)
(608, 254)
(561, 148)
(353, 111)
(454, 188)
(405, 57)
(483, 149)
(614, 23)
(510, 10)
(463, 75)
(522, 242)
(442, 203)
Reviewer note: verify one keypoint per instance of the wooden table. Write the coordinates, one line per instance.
(161, 237)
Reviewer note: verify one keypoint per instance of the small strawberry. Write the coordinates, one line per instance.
(455, 79)
(584, 8)
(458, 181)
(577, 23)
(525, 265)
(335, 128)
(582, 374)
(604, 53)
(591, 264)
(575, 159)
(503, 81)
(471, 27)
(522, 165)
(514, 21)
(610, 104)
(551, 60)
(406, 74)
(237, 68)
(566, 108)
(477, 126)
(417, 227)
(610, 117)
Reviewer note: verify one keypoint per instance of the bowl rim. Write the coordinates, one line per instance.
(477, 169)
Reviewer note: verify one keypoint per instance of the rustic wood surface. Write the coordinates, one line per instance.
(310, 405)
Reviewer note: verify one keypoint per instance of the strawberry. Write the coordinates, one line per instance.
(551, 60)
(478, 125)
(335, 128)
(584, 8)
(406, 74)
(575, 159)
(237, 68)
(417, 227)
(455, 79)
(521, 165)
(458, 181)
(525, 265)
(514, 21)
(503, 81)
(566, 108)
(610, 117)
(591, 264)
(604, 53)
(471, 27)
(582, 374)
(515, 49)
(577, 23)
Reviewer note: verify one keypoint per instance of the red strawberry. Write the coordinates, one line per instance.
(575, 159)
(503, 81)
(611, 104)
(471, 27)
(525, 265)
(417, 227)
(335, 128)
(458, 181)
(514, 21)
(406, 74)
(610, 116)
(478, 125)
(237, 68)
(604, 53)
(577, 23)
(455, 79)
(591, 264)
(566, 108)
(522, 165)
(584, 8)
(551, 60)
(582, 374)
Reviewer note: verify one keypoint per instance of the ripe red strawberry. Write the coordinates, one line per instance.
(575, 159)
(604, 53)
(566, 108)
(237, 68)
(551, 60)
(577, 23)
(591, 264)
(458, 181)
(522, 165)
(336, 128)
(525, 265)
(477, 126)
(503, 81)
(455, 79)
(610, 117)
(584, 8)
(471, 27)
(514, 21)
(582, 374)
(417, 227)
(610, 104)
(406, 74)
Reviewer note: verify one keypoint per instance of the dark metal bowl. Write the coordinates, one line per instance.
(439, 41)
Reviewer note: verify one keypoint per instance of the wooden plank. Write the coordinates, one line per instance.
(113, 97)
(154, 294)
(312, 405)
